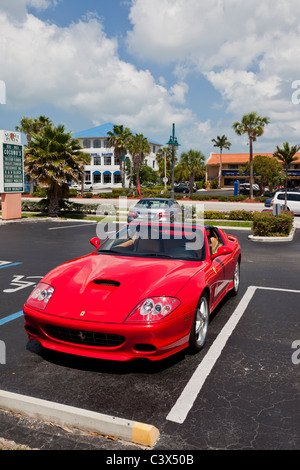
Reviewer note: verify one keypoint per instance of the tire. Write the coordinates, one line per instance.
(200, 325)
(236, 279)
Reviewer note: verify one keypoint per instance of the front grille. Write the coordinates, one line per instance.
(86, 338)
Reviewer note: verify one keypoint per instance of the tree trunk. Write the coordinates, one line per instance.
(286, 180)
(251, 169)
(220, 170)
(191, 184)
(53, 210)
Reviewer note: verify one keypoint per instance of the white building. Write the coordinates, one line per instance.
(104, 169)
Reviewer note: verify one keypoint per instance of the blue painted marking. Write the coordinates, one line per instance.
(8, 265)
(11, 317)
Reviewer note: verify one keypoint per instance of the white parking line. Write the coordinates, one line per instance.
(186, 400)
(72, 226)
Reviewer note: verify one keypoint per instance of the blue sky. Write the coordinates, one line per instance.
(148, 63)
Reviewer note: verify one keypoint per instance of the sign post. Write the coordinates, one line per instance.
(11, 174)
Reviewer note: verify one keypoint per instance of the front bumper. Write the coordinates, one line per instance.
(152, 341)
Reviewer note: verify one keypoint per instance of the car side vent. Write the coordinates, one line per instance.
(106, 282)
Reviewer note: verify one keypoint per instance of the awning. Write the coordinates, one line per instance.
(117, 172)
(96, 172)
(107, 173)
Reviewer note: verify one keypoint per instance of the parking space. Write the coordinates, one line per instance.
(244, 383)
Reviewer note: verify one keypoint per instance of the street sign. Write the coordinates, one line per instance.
(11, 163)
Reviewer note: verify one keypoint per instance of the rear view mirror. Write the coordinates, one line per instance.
(222, 250)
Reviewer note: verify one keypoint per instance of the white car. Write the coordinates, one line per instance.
(293, 200)
(86, 187)
(155, 209)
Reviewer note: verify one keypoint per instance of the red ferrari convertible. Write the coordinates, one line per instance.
(146, 292)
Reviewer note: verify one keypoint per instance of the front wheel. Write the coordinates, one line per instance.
(200, 325)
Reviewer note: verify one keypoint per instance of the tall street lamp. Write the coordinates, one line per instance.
(173, 143)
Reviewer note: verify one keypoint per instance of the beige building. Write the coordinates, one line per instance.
(233, 162)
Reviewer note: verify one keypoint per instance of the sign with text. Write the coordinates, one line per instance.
(11, 162)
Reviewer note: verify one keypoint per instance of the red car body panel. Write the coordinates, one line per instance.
(84, 307)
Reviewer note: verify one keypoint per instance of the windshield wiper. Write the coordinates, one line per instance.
(110, 251)
(157, 255)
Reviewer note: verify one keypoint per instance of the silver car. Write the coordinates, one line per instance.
(155, 209)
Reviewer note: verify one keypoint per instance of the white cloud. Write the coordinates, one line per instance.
(17, 9)
(247, 49)
(77, 68)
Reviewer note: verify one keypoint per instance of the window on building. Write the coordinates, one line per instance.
(97, 160)
(97, 144)
(86, 143)
(153, 148)
(97, 178)
(116, 160)
(117, 179)
(107, 160)
(233, 166)
(107, 178)
(105, 143)
(87, 176)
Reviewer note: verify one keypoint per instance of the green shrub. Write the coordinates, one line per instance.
(40, 192)
(240, 215)
(265, 224)
(214, 215)
(72, 192)
(214, 184)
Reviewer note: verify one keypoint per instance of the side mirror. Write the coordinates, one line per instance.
(95, 241)
(222, 250)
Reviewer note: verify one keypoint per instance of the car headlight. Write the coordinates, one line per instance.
(153, 309)
(40, 296)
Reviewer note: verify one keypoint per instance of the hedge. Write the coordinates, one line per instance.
(265, 224)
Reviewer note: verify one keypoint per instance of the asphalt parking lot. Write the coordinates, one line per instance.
(244, 396)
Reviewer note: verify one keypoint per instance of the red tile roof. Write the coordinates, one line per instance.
(241, 158)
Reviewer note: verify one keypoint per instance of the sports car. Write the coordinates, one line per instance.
(147, 291)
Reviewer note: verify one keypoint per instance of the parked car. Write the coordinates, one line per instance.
(245, 189)
(184, 188)
(155, 209)
(293, 200)
(86, 187)
(146, 292)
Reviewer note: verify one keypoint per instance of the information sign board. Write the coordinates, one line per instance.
(11, 163)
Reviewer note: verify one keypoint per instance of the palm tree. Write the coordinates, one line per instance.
(55, 159)
(222, 143)
(193, 160)
(253, 125)
(29, 126)
(139, 147)
(286, 155)
(119, 139)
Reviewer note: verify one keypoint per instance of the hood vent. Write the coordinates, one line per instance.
(106, 282)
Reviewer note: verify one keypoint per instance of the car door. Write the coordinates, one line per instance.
(222, 266)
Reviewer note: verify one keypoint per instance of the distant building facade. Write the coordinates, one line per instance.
(233, 162)
(104, 168)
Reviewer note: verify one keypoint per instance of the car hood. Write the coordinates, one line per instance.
(106, 288)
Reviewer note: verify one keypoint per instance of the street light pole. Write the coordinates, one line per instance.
(123, 159)
(173, 143)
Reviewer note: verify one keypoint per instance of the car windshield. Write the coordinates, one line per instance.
(183, 243)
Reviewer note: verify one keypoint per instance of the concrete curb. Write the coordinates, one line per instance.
(85, 420)
(289, 238)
